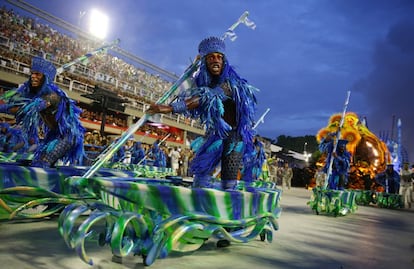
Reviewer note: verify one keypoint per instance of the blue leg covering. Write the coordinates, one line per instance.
(202, 181)
(248, 179)
(48, 159)
(231, 162)
(229, 184)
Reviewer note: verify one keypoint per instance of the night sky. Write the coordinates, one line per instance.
(303, 55)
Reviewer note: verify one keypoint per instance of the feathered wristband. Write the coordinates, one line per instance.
(179, 107)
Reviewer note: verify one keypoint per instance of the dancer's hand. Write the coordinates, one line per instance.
(155, 109)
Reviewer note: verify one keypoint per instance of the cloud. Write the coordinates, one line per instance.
(389, 88)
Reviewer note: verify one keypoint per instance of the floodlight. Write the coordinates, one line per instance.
(98, 24)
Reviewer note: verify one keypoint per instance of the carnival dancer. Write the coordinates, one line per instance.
(119, 154)
(389, 179)
(226, 104)
(40, 104)
(11, 139)
(138, 153)
(158, 154)
(341, 162)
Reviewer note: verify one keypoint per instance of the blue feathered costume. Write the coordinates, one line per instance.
(12, 139)
(49, 109)
(389, 179)
(253, 172)
(138, 154)
(340, 164)
(158, 155)
(226, 105)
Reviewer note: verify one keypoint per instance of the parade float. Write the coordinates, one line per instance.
(370, 156)
(136, 215)
(24, 188)
(154, 218)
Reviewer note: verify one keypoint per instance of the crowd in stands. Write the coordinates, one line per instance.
(110, 118)
(118, 121)
(37, 39)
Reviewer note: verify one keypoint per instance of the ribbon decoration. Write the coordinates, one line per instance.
(261, 119)
(243, 19)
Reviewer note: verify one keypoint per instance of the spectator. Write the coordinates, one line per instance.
(273, 171)
(406, 185)
(185, 157)
(175, 157)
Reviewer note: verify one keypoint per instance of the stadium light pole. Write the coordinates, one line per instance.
(81, 15)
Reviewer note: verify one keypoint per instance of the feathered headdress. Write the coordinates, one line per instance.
(45, 67)
(342, 142)
(210, 45)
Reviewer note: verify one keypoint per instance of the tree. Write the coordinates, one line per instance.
(298, 144)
